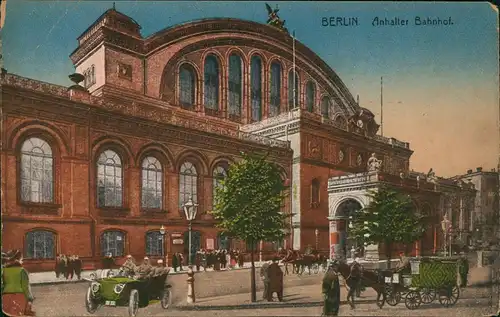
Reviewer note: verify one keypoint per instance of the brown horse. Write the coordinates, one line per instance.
(368, 278)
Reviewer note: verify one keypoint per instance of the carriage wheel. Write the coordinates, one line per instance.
(90, 303)
(449, 296)
(428, 295)
(392, 296)
(316, 268)
(133, 303)
(413, 300)
(166, 298)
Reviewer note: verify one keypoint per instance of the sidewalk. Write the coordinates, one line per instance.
(48, 278)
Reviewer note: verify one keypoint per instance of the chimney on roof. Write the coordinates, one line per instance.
(76, 91)
(479, 169)
(469, 171)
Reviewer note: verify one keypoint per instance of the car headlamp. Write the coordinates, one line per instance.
(119, 288)
(95, 287)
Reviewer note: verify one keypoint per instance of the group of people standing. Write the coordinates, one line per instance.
(67, 266)
(218, 259)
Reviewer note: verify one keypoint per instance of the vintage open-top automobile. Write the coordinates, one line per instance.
(122, 291)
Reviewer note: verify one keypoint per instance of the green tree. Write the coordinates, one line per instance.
(248, 202)
(390, 218)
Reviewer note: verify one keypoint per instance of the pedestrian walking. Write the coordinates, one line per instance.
(175, 261)
(265, 279)
(17, 298)
(331, 290)
(463, 270)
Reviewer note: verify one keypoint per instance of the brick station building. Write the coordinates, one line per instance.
(162, 118)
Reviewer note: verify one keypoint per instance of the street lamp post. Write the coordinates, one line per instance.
(316, 232)
(162, 232)
(445, 226)
(190, 209)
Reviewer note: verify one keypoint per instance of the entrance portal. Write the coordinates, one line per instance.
(343, 245)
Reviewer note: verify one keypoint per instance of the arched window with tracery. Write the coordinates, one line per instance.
(154, 243)
(188, 183)
(40, 244)
(256, 87)
(275, 104)
(293, 90)
(109, 180)
(310, 96)
(235, 85)
(315, 192)
(325, 107)
(187, 85)
(113, 242)
(211, 82)
(37, 171)
(152, 183)
(218, 175)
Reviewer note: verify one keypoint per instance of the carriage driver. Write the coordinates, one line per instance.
(404, 264)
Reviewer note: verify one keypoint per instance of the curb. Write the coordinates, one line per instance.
(56, 282)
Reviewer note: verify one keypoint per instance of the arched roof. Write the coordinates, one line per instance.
(253, 31)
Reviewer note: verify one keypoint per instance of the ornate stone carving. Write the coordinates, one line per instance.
(341, 155)
(359, 160)
(314, 147)
(374, 164)
(124, 71)
(431, 176)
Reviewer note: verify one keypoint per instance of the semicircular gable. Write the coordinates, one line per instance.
(235, 32)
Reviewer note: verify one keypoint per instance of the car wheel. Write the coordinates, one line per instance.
(133, 303)
(166, 298)
(90, 303)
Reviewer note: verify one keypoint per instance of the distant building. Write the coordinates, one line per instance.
(485, 219)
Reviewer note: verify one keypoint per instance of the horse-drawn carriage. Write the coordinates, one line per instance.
(430, 278)
(116, 290)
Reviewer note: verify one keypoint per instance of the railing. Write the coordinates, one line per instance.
(36, 85)
(358, 178)
(263, 140)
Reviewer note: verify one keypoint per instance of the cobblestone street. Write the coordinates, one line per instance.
(227, 294)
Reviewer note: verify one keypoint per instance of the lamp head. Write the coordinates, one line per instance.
(162, 230)
(316, 231)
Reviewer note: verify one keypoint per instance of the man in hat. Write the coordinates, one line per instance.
(144, 269)
(129, 267)
(275, 276)
(404, 264)
(463, 269)
(331, 290)
(265, 279)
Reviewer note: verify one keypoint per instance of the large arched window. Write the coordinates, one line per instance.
(293, 90)
(188, 183)
(187, 85)
(235, 85)
(275, 89)
(37, 181)
(256, 87)
(152, 183)
(218, 175)
(155, 243)
(211, 82)
(325, 107)
(40, 244)
(109, 180)
(310, 96)
(315, 187)
(113, 242)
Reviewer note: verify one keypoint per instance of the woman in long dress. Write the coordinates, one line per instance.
(17, 297)
(331, 291)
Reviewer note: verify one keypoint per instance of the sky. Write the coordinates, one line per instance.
(441, 84)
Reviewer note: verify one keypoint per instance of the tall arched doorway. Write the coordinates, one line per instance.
(195, 243)
(344, 215)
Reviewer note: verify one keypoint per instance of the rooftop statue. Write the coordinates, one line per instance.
(431, 176)
(274, 19)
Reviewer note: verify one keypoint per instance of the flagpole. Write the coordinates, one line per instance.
(294, 84)
(381, 106)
